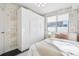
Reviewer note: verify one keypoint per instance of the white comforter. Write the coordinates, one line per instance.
(54, 47)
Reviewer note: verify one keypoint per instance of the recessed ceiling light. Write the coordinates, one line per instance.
(40, 4)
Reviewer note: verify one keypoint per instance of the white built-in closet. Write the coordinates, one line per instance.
(30, 28)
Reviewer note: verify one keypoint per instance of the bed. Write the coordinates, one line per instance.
(54, 47)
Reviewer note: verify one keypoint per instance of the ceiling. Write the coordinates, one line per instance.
(45, 8)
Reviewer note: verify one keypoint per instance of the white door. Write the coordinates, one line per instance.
(7, 30)
(10, 29)
(1, 31)
(1, 44)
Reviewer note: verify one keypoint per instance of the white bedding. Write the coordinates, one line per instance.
(54, 47)
(66, 47)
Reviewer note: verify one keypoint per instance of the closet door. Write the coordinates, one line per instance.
(42, 23)
(30, 28)
(25, 29)
(23, 35)
(33, 27)
(36, 27)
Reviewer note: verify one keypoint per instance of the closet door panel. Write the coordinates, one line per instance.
(25, 29)
(41, 27)
(36, 27)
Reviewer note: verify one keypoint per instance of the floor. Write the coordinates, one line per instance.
(12, 53)
(23, 54)
(15, 52)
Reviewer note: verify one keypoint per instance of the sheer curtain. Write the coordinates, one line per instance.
(73, 24)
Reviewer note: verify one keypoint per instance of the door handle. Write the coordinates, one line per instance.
(2, 32)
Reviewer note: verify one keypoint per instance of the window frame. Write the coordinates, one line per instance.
(57, 23)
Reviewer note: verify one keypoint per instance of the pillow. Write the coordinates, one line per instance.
(61, 36)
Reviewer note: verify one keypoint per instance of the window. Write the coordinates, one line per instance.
(51, 24)
(62, 23)
(57, 24)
